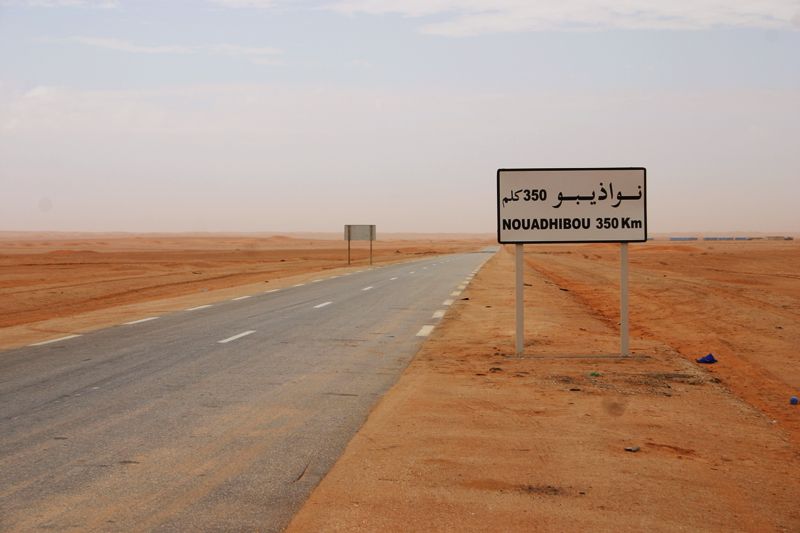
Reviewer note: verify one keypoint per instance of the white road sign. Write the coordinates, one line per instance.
(360, 232)
(551, 205)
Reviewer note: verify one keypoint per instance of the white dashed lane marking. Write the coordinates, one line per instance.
(425, 331)
(239, 336)
(148, 319)
(54, 340)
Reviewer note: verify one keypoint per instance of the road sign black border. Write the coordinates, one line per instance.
(499, 170)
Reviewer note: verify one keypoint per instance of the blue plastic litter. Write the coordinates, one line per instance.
(707, 359)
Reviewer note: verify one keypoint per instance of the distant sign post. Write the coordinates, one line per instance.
(359, 232)
(564, 205)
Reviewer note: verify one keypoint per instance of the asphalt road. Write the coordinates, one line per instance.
(221, 417)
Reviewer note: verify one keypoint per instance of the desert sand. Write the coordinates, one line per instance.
(473, 438)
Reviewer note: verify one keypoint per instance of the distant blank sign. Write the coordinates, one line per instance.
(551, 205)
(359, 232)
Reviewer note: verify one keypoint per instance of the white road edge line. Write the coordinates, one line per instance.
(455, 293)
(54, 340)
(447, 302)
(239, 336)
(368, 288)
(316, 281)
(392, 279)
(199, 307)
(241, 298)
(148, 319)
(425, 331)
(412, 271)
(438, 314)
(462, 287)
(298, 285)
(271, 291)
(322, 305)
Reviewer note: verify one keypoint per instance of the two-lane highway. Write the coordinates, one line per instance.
(219, 417)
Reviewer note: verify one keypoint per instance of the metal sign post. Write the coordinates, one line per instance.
(623, 299)
(566, 205)
(520, 344)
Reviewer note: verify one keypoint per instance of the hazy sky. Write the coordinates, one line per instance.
(273, 115)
